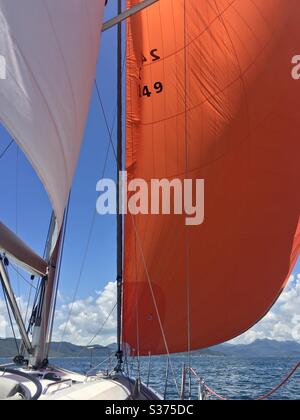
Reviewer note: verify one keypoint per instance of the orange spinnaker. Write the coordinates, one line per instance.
(210, 95)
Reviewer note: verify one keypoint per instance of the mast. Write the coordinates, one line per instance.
(42, 313)
(119, 353)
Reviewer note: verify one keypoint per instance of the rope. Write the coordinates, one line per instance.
(214, 394)
(264, 397)
(154, 302)
(28, 377)
(282, 383)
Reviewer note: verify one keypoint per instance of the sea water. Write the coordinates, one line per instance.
(233, 378)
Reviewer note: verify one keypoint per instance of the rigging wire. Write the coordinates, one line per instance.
(10, 320)
(21, 348)
(34, 306)
(58, 273)
(155, 302)
(2, 154)
(91, 229)
(38, 288)
(106, 120)
(28, 302)
(96, 368)
(187, 232)
(99, 331)
(110, 132)
(22, 277)
(17, 214)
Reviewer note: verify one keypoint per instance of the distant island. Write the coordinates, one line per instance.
(59, 350)
(260, 348)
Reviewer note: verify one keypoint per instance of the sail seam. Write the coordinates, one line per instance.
(64, 64)
(198, 36)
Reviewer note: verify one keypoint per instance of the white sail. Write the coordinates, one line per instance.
(50, 48)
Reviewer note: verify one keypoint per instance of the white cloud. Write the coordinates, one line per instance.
(87, 317)
(3, 319)
(89, 314)
(5, 326)
(282, 322)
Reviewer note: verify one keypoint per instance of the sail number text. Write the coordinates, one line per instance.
(146, 91)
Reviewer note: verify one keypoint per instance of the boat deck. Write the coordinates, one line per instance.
(59, 384)
(138, 390)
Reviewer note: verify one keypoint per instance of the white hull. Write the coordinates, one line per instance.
(59, 384)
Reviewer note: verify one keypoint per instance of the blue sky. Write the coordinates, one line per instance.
(25, 209)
